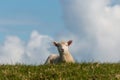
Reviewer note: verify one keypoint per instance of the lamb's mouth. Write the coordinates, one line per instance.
(62, 50)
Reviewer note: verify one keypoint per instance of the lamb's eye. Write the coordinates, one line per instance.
(58, 45)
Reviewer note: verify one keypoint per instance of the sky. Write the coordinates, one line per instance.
(28, 28)
(22, 17)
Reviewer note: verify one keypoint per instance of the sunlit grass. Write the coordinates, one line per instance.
(83, 71)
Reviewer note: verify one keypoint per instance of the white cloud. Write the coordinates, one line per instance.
(95, 23)
(11, 50)
(14, 50)
(37, 49)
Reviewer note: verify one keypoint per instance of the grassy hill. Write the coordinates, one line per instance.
(83, 71)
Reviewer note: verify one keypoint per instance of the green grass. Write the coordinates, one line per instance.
(83, 71)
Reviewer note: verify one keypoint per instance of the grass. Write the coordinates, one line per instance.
(83, 71)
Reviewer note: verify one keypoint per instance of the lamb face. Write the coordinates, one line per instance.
(63, 47)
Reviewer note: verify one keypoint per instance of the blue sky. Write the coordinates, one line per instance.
(21, 17)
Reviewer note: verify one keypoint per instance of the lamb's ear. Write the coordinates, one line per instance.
(69, 42)
(55, 43)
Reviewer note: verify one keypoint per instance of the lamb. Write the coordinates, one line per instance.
(64, 54)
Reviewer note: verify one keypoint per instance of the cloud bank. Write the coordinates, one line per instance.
(35, 51)
(95, 25)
